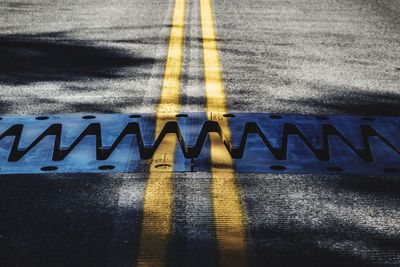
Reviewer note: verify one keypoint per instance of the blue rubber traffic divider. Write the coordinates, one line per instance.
(259, 143)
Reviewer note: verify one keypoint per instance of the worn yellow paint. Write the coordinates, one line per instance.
(228, 211)
(158, 198)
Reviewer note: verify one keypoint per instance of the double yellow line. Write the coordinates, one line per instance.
(158, 198)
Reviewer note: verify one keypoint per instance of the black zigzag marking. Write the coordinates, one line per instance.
(146, 152)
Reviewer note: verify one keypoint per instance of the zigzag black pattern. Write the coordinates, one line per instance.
(146, 152)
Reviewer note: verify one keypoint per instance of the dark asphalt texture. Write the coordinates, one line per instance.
(288, 56)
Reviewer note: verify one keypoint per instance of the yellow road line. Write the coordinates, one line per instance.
(228, 212)
(158, 198)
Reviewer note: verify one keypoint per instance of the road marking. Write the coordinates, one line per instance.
(228, 211)
(158, 198)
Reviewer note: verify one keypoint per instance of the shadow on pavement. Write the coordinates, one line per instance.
(70, 220)
(312, 221)
(382, 187)
(29, 58)
(56, 222)
(351, 101)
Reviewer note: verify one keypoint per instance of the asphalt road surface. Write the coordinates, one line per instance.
(316, 57)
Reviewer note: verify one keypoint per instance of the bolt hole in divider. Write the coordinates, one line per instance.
(106, 167)
(275, 117)
(278, 168)
(42, 118)
(49, 168)
(229, 115)
(258, 143)
(88, 117)
(322, 118)
(181, 115)
(163, 166)
(368, 119)
(334, 169)
(135, 116)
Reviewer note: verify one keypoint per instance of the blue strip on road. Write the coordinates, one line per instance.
(260, 143)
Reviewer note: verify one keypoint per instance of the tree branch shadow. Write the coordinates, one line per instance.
(30, 58)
